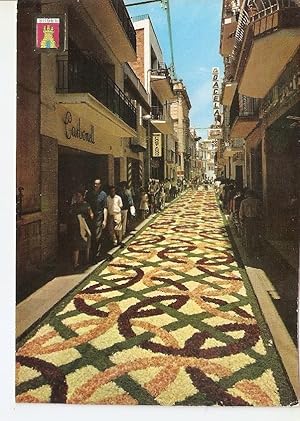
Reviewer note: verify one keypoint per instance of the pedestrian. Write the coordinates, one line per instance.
(144, 204)
(127, 201)
(80, 234)
(167, 189)
(173, 191)
(151, 195)
(97, 199)
(250, 216)
(237, 200)
(161, 198)
(114, 221)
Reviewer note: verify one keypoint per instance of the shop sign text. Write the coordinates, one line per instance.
(73, 130)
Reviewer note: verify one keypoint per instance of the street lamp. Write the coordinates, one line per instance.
(148, 118)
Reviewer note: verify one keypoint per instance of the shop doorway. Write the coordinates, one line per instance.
(239, 175)
(256, 169)
(76, 172)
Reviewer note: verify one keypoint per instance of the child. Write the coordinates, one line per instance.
(144, 208)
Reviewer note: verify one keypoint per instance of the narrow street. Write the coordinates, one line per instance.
(171, 320)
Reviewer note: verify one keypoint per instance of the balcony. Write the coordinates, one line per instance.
(266, 28)
(228, 92)
(112, 20)
(161, 83)
(161, 119)
(139, 143)
(84, 86)
(243, 116)
(284, 95)
(131, 79)
(228, 28)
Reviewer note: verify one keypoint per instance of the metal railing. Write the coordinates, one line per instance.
(136, 81)
(261, 8)
(158, 113)
(242, 25)
(124, 17)
(243, 106)
(78, 73)
(248, 107)
(161, 70)
(285, 89)
(250, 12)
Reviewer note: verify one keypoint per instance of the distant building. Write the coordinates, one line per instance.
(180, 109)
(156, 79)
(207, 152)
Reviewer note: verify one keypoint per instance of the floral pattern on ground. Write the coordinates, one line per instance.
(172, 320)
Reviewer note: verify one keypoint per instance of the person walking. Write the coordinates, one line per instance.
(161, 198)
(114, 208)
(250, 216)
(151, 195)
(127, 201)
(144, 204)
(97, 199)
(167, 189)
(173, 191)
(80, 234)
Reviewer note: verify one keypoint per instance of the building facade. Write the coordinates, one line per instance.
(78, 118)
(207, 151)
(155, 77)
(260, 43)
(180, 109)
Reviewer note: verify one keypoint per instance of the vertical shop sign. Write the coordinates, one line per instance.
(216, 94)
(156, 145)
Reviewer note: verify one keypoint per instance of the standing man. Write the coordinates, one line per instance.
(250, 215)
(97, 199)
(127, 201)
(114, 208)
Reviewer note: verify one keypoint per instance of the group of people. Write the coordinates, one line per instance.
(156, 193)
(93, 211)
(96, 211)
(246, 210)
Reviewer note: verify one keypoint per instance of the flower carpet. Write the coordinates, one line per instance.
(171, 320)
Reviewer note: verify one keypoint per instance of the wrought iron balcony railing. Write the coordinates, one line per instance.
(243, 106)
(258, 9)
(78, 73)
(158, 113)
(253, 11)
(286, 89)
(124, 17)
(161, 70)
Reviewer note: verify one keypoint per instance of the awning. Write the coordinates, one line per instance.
(228, 93)
(89, 108)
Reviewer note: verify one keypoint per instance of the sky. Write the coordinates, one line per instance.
(196, 36)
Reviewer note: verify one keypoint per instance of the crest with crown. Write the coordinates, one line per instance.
(48, 40)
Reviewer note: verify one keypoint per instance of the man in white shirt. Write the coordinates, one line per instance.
(114, 208)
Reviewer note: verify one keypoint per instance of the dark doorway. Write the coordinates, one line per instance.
(239, 175)
(76, 172)
(256, 169)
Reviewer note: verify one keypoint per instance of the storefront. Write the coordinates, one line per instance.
(282, 180)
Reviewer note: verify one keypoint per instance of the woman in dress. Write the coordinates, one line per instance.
(80, 234)
(144, 208)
